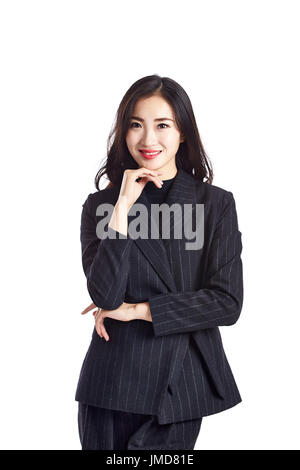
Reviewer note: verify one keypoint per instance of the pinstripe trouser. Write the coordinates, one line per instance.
(104, 429)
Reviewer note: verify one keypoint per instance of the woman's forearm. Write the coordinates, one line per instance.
(143, 311)
(119, 218)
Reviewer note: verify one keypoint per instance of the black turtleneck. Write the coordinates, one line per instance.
(158, 195)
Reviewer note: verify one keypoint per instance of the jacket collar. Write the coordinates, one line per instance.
(182, 191)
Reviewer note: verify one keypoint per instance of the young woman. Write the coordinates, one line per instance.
(156, 365)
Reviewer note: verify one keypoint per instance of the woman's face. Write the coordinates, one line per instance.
(153, 128)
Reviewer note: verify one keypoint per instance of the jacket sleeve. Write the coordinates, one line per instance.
(219, 302)
(105, 261)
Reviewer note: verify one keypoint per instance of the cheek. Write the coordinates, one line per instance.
(133, 138)
(130, 140)
(172, 140)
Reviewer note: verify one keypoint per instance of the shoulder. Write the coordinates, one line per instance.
(210, 193)
(102, 196)
(219, 203)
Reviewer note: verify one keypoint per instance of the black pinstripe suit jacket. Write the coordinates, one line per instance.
(174, 367)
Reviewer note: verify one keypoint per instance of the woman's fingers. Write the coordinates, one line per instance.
(97, 324)
(87, 309)
(131, 189)
(152, 174)
(156, 180)
(98, 327)
(137, 173)
(101, 330)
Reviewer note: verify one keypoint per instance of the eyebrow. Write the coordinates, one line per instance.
(158, 119)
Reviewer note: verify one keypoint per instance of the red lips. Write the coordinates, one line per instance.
(145, 153)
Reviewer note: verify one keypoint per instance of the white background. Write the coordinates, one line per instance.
(65, 66)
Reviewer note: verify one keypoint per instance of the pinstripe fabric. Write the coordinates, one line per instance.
(103, 429)
(174, 367)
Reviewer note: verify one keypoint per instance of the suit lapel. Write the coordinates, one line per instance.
(181, 192)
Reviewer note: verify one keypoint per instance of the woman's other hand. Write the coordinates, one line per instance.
(126, 312)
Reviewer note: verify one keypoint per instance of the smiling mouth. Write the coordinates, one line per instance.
(149, 155)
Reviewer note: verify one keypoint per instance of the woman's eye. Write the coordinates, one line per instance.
(137, 123)
(163, 125)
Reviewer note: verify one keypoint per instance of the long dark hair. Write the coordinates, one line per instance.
(190, 156)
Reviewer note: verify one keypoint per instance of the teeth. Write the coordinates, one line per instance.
(153, 153)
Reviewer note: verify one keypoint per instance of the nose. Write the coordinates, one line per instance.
(148, 138)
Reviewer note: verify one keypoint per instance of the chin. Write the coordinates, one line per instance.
(150, 164)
